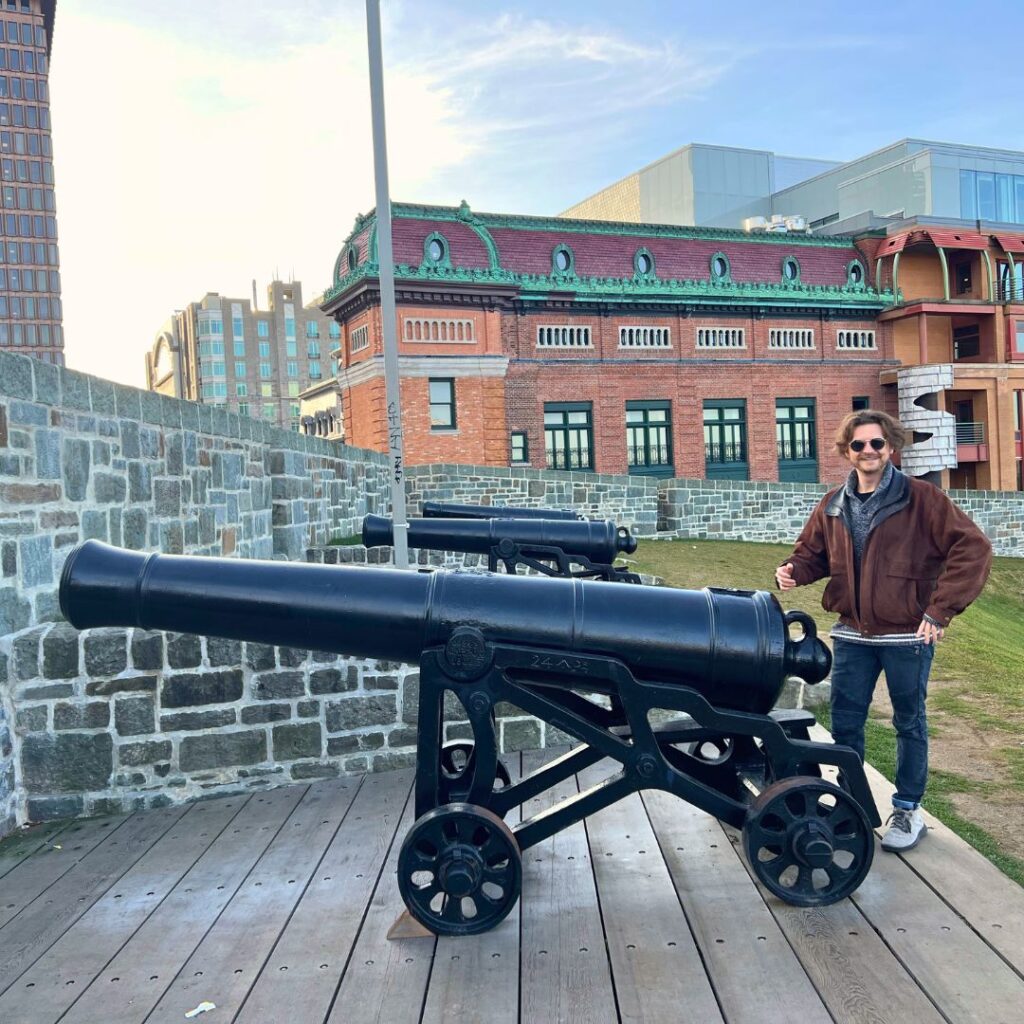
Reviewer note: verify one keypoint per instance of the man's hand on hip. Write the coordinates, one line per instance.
(784, 577)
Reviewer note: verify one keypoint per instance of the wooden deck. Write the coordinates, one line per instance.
(275, 906)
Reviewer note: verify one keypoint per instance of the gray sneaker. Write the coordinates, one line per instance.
(906, 830)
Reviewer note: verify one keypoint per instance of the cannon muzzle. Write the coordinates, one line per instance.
(598, 540)
(734, 647)
(447, 510)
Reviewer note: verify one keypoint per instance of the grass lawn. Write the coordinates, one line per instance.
(976, 681)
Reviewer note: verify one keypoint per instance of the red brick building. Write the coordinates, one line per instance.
(618, 348)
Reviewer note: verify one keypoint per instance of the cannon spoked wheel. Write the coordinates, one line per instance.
(808, 841)
(457, 761)
(459, 870)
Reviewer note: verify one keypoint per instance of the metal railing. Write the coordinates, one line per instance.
(1010, 291)
(970, 433)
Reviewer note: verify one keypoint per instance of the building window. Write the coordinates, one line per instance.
(721, 337)
(312, 349)
(568, 435)
(359, 338)
(243, 408)
(265, 370)
(240, 349)
(519, 447)
(312, 329)
(790, 338)
(966, 342)
(241, 390)
(562, 260)
(962, 277)
(266, 390)
(1018, 341)
(442, 403)
(239, 369)
(293, 389)
(262, 329)
(790, 270)
(720, 269)
(436, 329)
(289, 321)
(335, 330)
(270, 410)
(292, 368)
(855, 339)
(725, 439)
(860, 402)
(855, 274)
(237, 328)
(353, 258)
(649, 438)
(314, 370)
(795, 440)
(635, 336)
(264, 347)
(564, 336)
(643, 263)
(435, 250)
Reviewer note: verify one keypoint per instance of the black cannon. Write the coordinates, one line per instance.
(599, 663)
(552, 547)
(447, 510)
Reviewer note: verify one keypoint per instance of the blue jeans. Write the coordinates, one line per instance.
(855, 670)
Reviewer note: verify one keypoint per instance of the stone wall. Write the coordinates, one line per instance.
(108, 719)
(629, 500)
(775, 513)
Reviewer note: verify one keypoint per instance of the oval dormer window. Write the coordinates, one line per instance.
(855, 274)
(790, 270)
(435, 250)
(353, 259)
(720, 267)
(562, 260)
(644, 263)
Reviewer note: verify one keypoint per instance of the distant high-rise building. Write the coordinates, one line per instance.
(30, 305)
(226, 352)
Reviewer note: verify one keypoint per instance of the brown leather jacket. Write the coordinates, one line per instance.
(923, 556)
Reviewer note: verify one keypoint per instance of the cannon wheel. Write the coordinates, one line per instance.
(459, 870)
(808, 841)
(457, 760)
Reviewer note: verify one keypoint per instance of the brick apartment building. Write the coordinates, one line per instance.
(611, 347)
(30, 287)
(252, 361)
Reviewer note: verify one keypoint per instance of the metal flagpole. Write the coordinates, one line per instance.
(386, 266)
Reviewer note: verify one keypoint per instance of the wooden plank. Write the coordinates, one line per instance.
(69, 966)
(991, 903)
(385, 981)
(222, 968)
(656, 966)
(27, 841)
(34, 875)
(755, 972)
(41, 923)
(298, 981)
(966, 979)
(560, 914)
(148, 962)
(476, 977)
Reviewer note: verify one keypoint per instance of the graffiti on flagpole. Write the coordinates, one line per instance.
(395, 442)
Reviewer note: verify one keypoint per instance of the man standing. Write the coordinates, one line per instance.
(903, 560)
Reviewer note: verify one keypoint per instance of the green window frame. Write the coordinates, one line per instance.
(569, 435)
(796, 440)
(649, 438)
(725, 439)
(519, 447)
(442, 403)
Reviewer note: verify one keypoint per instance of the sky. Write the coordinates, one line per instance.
(201, 144)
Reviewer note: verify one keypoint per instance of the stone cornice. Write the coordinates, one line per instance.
(425, 366)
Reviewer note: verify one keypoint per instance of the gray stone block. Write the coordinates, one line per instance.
(135, 523)
(36, 559)
(332, 680)
(134, 755)
(48, 462)
(520, 734)
(147, 650)
(184, 650)
(291, 742)
(109, 489)
(167, 497)
(222, 750)
(196, 720)
(259, 657)
(191, 689)
(67, 762)
(94, 715)
(106, 653)
(314, 771)
(260, 714)
(359, 712)
(51, 692)
(135, 716)
(53, 808)
(61, 653)
(223, 652)
(131, 684)
(278, 685)
(31, 720)
(16, 374)
(15, 612)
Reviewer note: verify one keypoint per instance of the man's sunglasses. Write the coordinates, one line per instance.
(877, 443)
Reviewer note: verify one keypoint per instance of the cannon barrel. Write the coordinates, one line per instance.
(600, 541)
(734, 647)
(447, 510)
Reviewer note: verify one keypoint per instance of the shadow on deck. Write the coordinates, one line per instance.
(274, 907)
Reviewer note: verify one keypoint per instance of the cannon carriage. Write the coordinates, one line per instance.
(601, 664)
